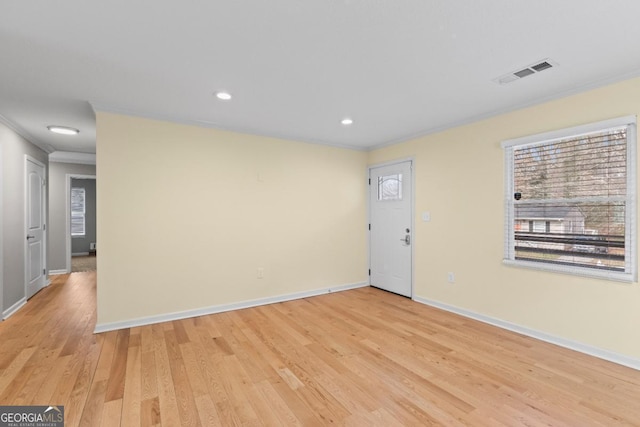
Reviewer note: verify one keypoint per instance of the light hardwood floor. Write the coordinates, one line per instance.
(362, 357)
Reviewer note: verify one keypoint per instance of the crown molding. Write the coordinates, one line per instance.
(105, 108)
(538, 101)
(73, 157)
(26, 135)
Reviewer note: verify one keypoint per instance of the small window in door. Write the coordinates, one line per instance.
(390, 187)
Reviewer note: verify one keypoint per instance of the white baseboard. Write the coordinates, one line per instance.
(15, 307)
(57, 272)
(142, 321)
(80, 254)
(543, 336)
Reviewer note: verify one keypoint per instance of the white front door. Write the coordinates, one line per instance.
(35, 221)
(391, 227)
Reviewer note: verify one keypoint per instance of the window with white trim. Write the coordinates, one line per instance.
(570, 200)
(78, 211)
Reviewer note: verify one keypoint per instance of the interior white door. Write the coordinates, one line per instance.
(35, 230)
(391, 233)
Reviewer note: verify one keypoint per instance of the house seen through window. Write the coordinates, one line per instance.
(569, 200)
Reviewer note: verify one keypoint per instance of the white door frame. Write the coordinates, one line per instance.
(45, 216)
(1, 239)
(68, 178)
(413, 216)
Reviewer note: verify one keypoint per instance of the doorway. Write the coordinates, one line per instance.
(82, 247)
(391, 227)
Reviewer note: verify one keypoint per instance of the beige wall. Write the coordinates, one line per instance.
(14, 148)
(298, 211)
(459, 179)
(58, 210)
(206, 208)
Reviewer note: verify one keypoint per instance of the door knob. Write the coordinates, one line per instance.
(406, 240)
(29, 236)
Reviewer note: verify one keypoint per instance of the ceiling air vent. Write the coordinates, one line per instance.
(541, 66)
(524, 73)
(529, 70)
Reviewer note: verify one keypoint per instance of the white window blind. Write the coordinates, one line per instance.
(78, 210)
(570, 200)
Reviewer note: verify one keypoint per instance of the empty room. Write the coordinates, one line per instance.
(349, 212)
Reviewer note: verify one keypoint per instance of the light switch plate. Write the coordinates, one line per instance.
(426, 216)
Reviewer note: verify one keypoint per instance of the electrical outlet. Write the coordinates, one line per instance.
(451, 278)
(260, 273)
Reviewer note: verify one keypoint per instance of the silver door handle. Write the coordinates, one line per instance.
(406, 240)
(29, 236)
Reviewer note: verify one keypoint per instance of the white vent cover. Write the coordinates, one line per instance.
(529, 70)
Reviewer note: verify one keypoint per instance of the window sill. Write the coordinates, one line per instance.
(617, 276)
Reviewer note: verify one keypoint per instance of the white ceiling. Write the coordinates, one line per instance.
(399, 68)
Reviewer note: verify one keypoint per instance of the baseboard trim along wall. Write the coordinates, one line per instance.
(80, 254)
(57, 272)
(15, 307)
(142, 321)
(543, 336)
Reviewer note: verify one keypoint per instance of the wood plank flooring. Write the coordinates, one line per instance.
(362, 357)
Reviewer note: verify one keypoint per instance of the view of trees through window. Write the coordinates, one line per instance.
(569, 200)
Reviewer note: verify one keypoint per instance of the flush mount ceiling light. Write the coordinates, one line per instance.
(63, 130)
(347, 121)
(224, 96)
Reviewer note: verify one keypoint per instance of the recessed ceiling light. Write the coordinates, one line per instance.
(225, 96)
(63, 130)
(347, 121)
